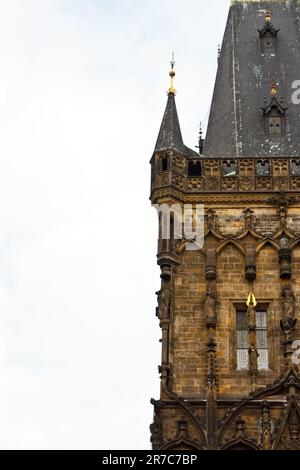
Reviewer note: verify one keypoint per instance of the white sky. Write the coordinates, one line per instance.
(82, 94)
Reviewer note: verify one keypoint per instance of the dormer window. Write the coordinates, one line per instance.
(274, 114)
(268, 37)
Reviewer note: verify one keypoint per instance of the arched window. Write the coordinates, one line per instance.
(194, 168)
(164, 163)
(263, 168)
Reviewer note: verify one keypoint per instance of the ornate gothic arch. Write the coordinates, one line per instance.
(266, 241)
(288, 383)
(233, 242)
(240, 443)
(291, 420)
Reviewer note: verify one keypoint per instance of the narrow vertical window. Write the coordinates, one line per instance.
(242, 340)
(262, 340)
(164, 163)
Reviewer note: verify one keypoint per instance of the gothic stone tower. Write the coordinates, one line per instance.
(228, 311)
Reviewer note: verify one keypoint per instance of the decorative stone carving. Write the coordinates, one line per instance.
(266, 427)
(251, 315)
(212, 184)
(294, 424)
(282, 212)
(156, 435)
(178, 180)
(155, 428)
(211, 217)
(210, 268)
(285, 258)
(164, 304)
(288, 301)
(253, 356)
(250, 266)
(246, 168)
(210, 303)
(248, 213)
(282, 199)
(182, 431)
(229, 184)
(240, 426)
(281, 183)
(288, 426)
(295, 182)
(164, 179)
(212, 376)
(288, 322)
(195, 184)
(264, 184)
(280, 167)
(288, 328)
(211, 167)
(246, 183)
(178, 162)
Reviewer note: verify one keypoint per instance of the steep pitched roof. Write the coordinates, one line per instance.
(236, 124)
(170, 133)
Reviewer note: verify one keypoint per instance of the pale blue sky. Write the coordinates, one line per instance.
(82, 93)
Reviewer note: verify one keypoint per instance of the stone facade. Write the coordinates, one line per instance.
(251, 245)
(229, 309)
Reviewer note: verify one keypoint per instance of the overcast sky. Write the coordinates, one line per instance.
(82, 93)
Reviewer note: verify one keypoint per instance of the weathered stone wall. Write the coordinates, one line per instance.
(251, 246)
(189, 335)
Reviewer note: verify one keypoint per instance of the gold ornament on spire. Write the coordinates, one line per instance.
(274, 88)
(172, 75)
(251, 300)
(268, 17)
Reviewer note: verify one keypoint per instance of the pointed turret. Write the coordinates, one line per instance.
(170, 133)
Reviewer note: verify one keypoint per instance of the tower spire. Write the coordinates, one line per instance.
(172, 75)
(170, 133)
(201, 140)
(268, 17)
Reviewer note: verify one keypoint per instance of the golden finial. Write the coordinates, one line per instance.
(274, 88)
(268, 17)
(251, 300)
(172, 75)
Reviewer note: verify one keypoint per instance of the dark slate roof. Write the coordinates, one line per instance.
(170, 134)
(236, 125)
